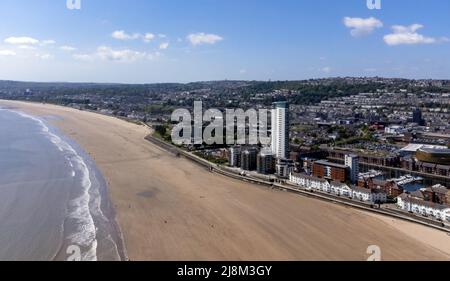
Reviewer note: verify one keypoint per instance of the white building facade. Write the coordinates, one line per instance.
(310, 183)
(338, 189)
(394, 130)
(234, 159)
(424, 208)
(367, 195)
(341, 189)
(361, 194)
(280, 130)
(284, 167)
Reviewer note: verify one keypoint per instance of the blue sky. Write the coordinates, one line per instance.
(145, 41)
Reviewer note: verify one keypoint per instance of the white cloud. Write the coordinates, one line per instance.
(408, 35)
(203, 38)
(84, 57)
(26, 47)
(361, 26)
(148, 37)
(44, 56)
(48, 42)
(21, 41)
(326, 69)
(163, 46)
(123, 55)
(7, 53)
(122, 35)
(105, 53)
(243, 71)
(68, 48)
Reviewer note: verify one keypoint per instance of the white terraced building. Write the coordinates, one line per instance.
(424, 208)
(310, 183)
(341, 189)
(364, 194)
(337, 188)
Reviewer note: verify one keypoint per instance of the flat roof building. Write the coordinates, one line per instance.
(329, 170)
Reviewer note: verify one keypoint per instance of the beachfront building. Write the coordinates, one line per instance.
(331, 171)
(248, 159)
(361, 194)
(424, 208)
(379, 196)
(352, 162)
(234, 156)
(280, 130)
(309, 183)
(300, 180)
(368, 195)
(266, 162)
(340, 189)
(284, 167)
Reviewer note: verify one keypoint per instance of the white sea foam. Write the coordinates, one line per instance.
(86, 232)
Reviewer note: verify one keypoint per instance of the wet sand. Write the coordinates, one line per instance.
(172, 209)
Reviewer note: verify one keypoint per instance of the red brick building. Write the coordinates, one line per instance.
(331, 171)
(389, 187)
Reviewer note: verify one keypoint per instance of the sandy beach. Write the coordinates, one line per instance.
(171, 209)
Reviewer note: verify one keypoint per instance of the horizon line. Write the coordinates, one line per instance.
(223, 80)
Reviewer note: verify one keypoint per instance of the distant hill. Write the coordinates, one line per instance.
(301, 92)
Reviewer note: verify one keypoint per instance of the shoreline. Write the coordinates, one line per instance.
(88, 207)
(105, 206)
(184, 216)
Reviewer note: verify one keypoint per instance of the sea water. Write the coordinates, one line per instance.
(53, 201)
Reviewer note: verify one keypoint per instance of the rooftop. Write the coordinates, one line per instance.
(360, 189)
(303, 176)
(413, 147)
(281, 104)
(338, 184)
(331, 164)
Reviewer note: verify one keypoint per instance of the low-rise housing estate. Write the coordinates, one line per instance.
(338, 188)
(424, 208)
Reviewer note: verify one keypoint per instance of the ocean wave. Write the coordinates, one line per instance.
(85, 235)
